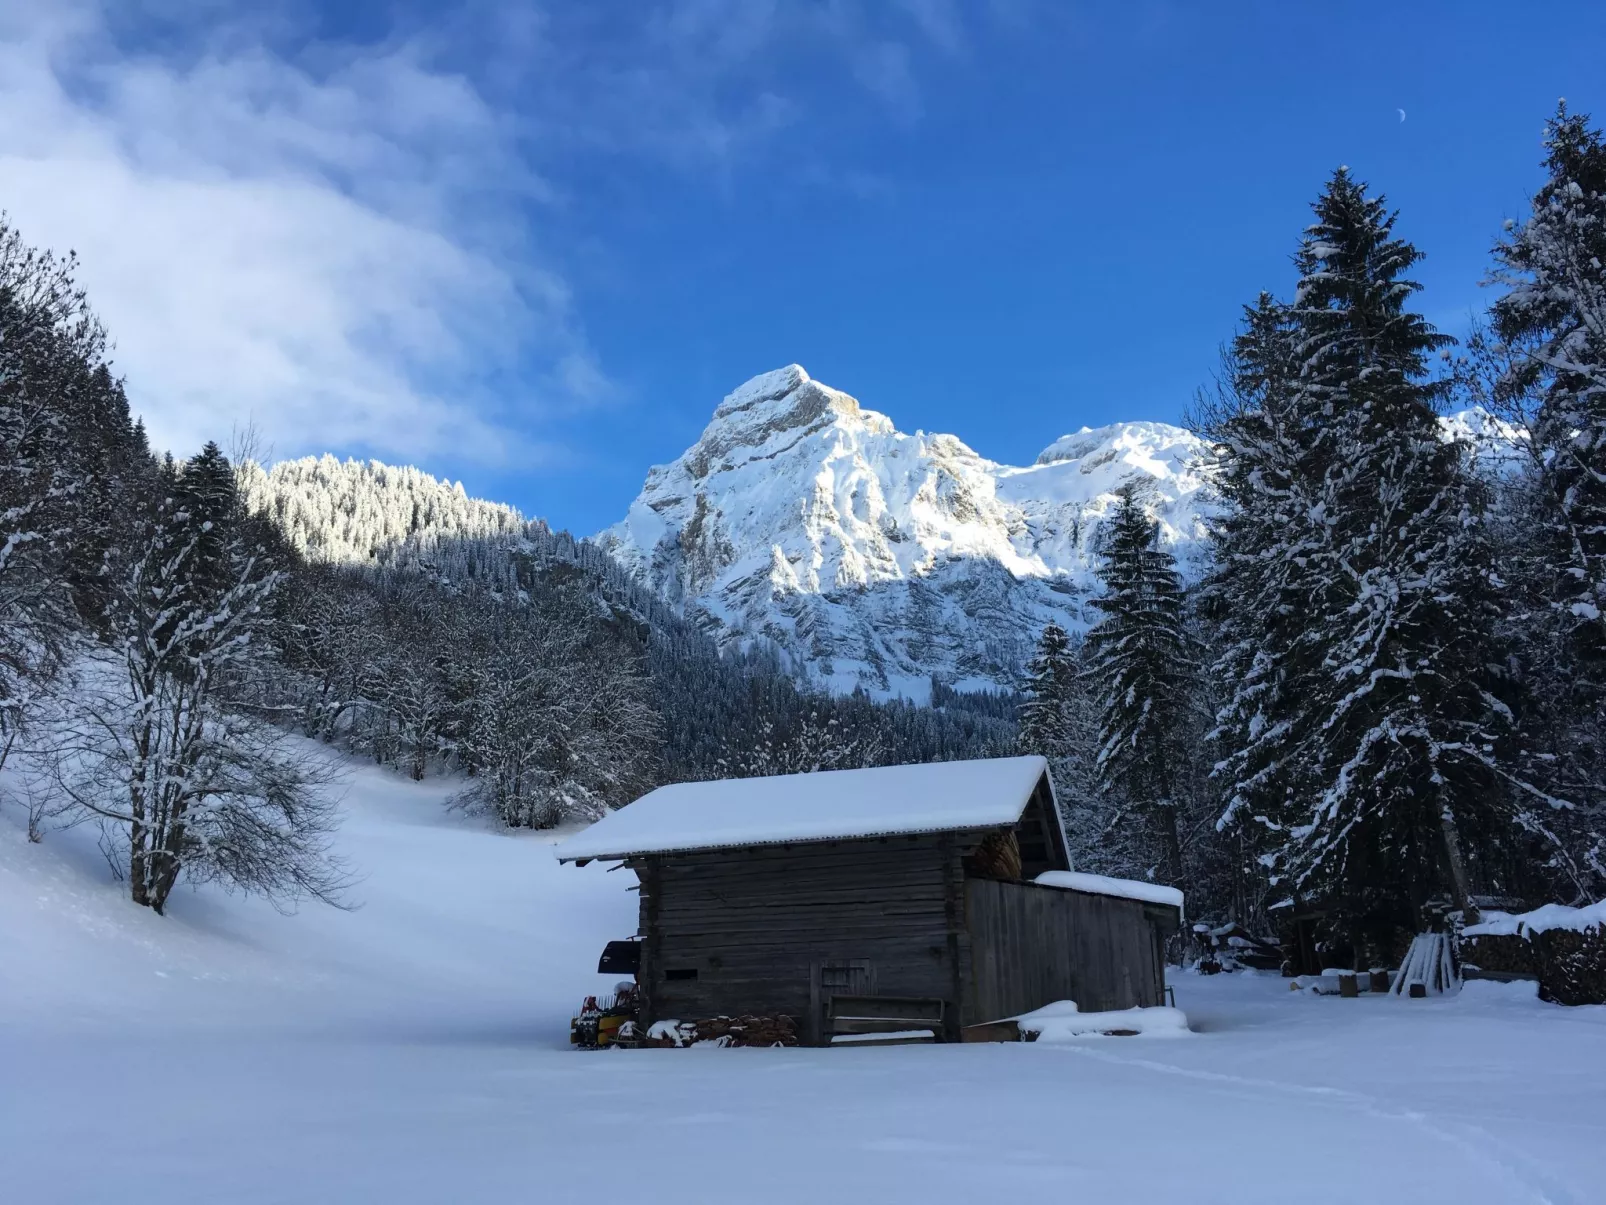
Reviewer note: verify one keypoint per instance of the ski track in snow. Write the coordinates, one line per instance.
(1470, 1140)
(414, 1050)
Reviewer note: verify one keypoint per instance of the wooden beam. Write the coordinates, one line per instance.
(953, 869)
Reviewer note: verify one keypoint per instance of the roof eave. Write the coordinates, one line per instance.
(581, 859)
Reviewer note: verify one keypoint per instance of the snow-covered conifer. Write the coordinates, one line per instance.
(1549, 343)
(66, 446)
(1365, 730)
(1047, 695)
(1143, 673)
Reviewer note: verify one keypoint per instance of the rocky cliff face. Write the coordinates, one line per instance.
(877, 559)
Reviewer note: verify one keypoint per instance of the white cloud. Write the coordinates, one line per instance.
(331, 242)
(326, 251)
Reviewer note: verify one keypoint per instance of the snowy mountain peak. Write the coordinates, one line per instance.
(874, 558)
(1156, 448)
(773, 405)
(763, 390)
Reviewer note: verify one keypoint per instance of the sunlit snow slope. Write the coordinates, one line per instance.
(414, 1052)
(447, 915)
(876, 558)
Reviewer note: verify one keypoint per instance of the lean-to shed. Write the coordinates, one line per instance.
(899, 893)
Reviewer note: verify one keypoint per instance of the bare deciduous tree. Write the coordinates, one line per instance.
(146, 738)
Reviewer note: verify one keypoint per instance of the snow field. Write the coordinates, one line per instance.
(414, 1050)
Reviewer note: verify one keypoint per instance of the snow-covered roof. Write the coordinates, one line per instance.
(1100, 884)
(824, 806)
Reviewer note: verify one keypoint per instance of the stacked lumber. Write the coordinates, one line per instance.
(1429, 968)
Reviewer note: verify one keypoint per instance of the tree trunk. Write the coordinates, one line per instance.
(136, 865)
(166, 876)
(1165, 819)
(1459, 886)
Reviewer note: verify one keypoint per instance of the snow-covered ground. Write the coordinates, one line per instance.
(414, 1051)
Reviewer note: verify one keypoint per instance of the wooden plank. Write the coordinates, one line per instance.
(991, 1031)
(954, 917)
(881, 1025)
(812, 937)
(1033, 945)
(855, 1042)
(757, 924)
(905, 1008)
(749, 913)
(1051, 825)
(647, 976)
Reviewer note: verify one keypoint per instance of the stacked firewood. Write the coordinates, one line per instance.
(997, 857)
(1230, 947)
(727, 1031)
(1572, 965)
(1498, 954)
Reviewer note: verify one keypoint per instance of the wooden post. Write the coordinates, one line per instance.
(953, 873)
(815, 1033)
(1458, 871)
(651, 875)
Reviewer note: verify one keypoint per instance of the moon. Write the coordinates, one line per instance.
(1401, 112)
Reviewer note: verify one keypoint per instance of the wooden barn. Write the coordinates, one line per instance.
(931, 896)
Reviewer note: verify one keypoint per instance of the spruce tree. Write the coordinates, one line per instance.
(1142, 668)
(1263, 574)
(1555, 311)
(1549, 339)
(1366, 730)
(1058, 720)
(67, 451)
(1046, 694)
(207, 508)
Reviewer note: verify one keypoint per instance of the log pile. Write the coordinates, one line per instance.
(727, 1031)
(1500, 955)
(1230, 947)
(1572, 964)
(997, 857)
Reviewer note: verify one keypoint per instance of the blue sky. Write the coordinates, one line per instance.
(532, 246)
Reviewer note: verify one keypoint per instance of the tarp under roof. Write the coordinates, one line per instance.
(825, 806)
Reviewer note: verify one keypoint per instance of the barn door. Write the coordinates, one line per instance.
(838, 977)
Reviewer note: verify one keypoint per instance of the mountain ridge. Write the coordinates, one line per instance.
(877, 559)
(805, 523)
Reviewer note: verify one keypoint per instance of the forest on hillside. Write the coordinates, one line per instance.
(1384, 697)
(170, 624)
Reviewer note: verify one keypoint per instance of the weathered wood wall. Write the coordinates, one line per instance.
(1038, 832)
(759, 927)
(777, 929)
(1030, 946)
